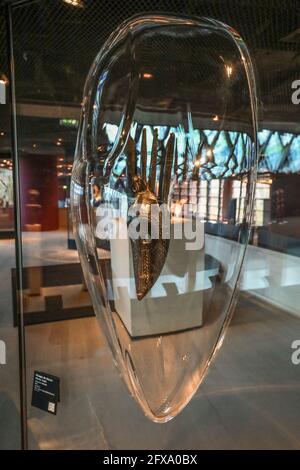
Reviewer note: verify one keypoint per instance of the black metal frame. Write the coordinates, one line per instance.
(18, 232)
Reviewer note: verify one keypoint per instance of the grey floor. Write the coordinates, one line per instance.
(250, 399)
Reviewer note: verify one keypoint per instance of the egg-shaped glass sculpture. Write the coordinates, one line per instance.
(162, 190)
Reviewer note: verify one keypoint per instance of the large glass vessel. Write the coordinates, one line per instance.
(162, 190)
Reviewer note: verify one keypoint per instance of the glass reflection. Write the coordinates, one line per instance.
(168, 137)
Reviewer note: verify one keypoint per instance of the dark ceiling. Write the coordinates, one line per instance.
(55, 44)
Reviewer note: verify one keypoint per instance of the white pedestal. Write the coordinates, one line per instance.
(175, 301)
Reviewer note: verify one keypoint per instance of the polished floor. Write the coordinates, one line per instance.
(250, 399)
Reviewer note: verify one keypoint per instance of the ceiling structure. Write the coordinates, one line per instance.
(55, 43)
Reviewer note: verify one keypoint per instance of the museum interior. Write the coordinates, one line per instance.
(50, 313)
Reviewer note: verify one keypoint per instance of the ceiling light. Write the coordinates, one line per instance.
(209, 154)
(228, 70)
(75, 3)
(147, 75)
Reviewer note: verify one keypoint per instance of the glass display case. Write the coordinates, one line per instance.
(168, 129)
(169, 118)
